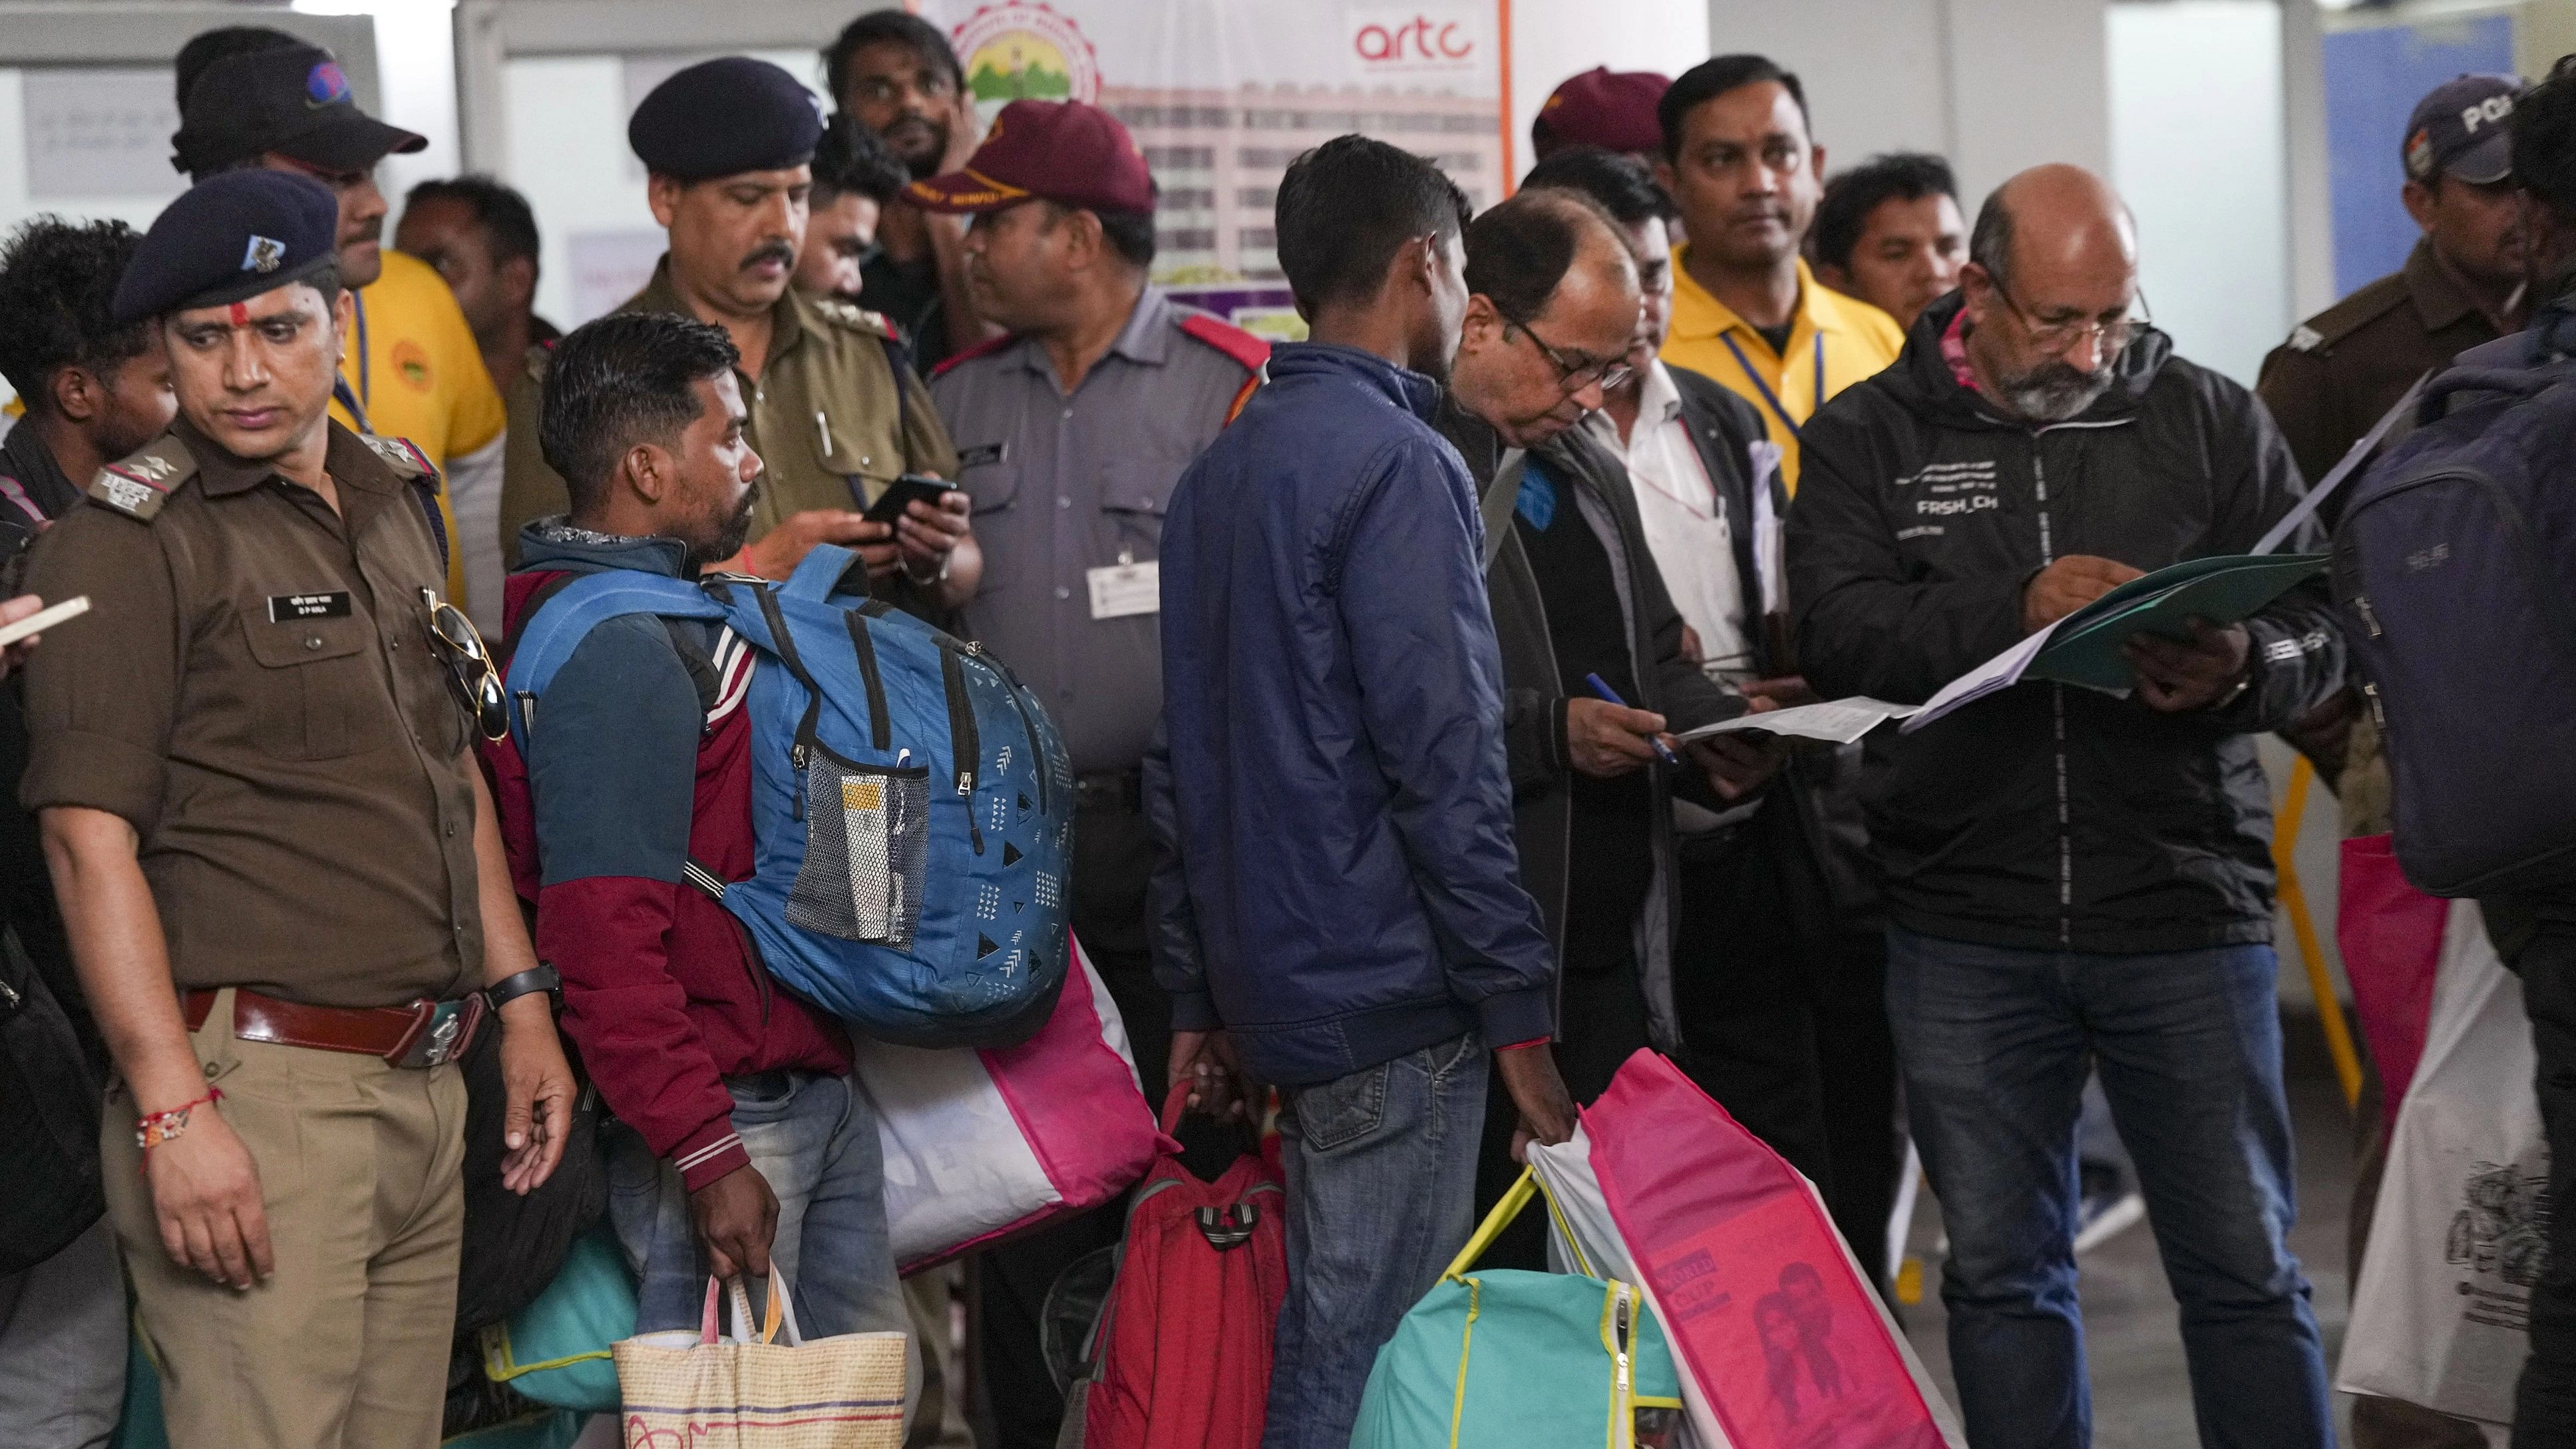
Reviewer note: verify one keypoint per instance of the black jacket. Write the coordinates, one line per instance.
(1534, 698)
(2049, 816)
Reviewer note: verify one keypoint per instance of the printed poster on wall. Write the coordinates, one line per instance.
(1222, 94)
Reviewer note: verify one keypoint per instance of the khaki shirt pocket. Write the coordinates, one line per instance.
(314, 685)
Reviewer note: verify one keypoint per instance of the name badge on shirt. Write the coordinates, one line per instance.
(1126, 589)
(287, 608)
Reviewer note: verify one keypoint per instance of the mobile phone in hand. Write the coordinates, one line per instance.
(902, 493)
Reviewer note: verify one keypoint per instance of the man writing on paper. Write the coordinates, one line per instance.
(2070, 874)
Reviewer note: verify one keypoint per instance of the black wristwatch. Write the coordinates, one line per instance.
(541, 977)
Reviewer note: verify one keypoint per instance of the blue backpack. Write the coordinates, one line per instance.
(2455, 566)
(911, 806)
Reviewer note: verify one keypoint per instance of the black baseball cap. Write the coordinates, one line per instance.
(291, 99)
(2464, 127)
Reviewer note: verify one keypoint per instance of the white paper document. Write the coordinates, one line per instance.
(2001, 672)
(1838, 720)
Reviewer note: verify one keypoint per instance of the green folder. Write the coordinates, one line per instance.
(2226, 590)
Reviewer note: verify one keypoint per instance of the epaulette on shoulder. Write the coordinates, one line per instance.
(1253, 352)
(985, 348)
(137, 484)
(2319, 334)
(402, 455)
(857, 318)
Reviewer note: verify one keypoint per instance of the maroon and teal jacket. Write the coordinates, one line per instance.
(640, 765)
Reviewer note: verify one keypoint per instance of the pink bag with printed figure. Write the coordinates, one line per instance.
(987, 1143)
(1781, 1341)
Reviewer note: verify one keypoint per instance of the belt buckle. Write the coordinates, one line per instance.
(446, 1029)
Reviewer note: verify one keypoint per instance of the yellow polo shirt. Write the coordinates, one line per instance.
(417, 374)
(1834, 341)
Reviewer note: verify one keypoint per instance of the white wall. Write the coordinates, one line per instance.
(1995, 85)
(2197, 149)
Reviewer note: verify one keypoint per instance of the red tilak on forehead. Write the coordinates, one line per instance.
(240, 315)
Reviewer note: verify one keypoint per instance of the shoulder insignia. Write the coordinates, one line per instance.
(1225, 337)
(985, 348)
(856, 318)
(137, 484)
(401, 455)
(2318, 335)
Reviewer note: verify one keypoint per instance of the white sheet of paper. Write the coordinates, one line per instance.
(2001, 672)
(1122, 590)
(1838, 720)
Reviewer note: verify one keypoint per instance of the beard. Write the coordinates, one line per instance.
(2054, 392)
(726, 537)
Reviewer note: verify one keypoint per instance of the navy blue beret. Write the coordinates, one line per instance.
(227, 239)
(723, 116)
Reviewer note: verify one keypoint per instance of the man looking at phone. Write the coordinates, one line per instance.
(835, 412)
(1073, 427)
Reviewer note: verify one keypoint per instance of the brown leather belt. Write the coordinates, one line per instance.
(422, 1034)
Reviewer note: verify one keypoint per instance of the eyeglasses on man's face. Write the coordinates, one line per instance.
(2057, 334)
(1573, 374)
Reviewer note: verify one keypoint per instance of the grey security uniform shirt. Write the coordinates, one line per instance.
(1064, 484)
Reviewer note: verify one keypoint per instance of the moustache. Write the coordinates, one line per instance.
(370, 230)
(778, 251)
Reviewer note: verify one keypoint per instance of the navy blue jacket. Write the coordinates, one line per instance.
(1332, 698)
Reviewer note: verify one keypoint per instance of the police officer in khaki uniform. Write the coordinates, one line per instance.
(278, 864)
(836, 414)
(2462, 285)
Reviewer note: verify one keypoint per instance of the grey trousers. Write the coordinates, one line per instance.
(62, 1346)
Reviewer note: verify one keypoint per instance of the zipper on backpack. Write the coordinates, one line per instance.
(2361, 604)
(2378, 716)
(1623, 1389)
(962, 741)
(1019, 702)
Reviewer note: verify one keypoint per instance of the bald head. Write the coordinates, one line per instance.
(2054, 218)
(2051, 281)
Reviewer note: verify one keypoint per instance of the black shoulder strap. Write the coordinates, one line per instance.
(425, 490)
(899, 358)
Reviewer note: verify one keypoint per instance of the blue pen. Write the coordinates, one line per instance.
(1601, 687)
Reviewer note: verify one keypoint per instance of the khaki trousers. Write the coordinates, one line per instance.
(345, 1345)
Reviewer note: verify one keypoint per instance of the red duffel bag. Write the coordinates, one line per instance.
(1180, 1358)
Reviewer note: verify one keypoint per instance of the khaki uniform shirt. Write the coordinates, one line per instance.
(253, 690)
(826, 419)
(2343, 368)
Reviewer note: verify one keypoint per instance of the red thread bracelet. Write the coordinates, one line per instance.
(155, 1128)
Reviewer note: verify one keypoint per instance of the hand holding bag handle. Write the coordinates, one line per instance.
(780, 1311)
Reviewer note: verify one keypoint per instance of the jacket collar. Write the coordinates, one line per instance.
(788, 321)
(553, 543)
(1402, 386)
(350, 462)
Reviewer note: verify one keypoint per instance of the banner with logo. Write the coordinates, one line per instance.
(1222, 94)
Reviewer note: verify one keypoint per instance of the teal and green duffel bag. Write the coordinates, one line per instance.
(555, 1350)
(1514, 1360)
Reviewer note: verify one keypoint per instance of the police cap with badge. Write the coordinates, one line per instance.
(723, 117)
(226, 239)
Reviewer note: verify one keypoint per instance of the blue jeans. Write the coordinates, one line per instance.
(1994, 1045)
(814, 1139)
(1381, 1195)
